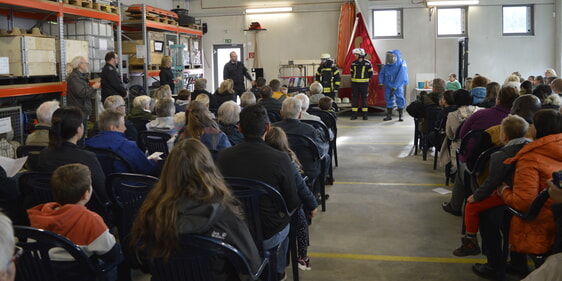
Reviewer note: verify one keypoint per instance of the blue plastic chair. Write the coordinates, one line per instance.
(195, 258)
(250, 192)
(35, 263)
(110, 161)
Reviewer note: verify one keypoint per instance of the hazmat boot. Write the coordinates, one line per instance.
(365, 113)
(388, 115)
(354, 113)
(400, 110)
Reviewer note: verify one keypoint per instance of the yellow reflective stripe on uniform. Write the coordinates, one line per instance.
(337, 83)
(354, 109)
(336, 72)
(360, 80)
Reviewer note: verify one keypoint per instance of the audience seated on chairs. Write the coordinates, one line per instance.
(117, 103)
(200, 126)
(204, 99)
(228, 118)
(270, 104)
(452, 142)
(513, 131)
(141, 112)
(448, 105)
(112, 137)
(492, 91)
(183, 99)
(534, 165)
(67, 129)
(254, 159)
(165, 92)
(41, 134)
(164, 122)
(277, 139)
(480, 120)
(291, 124)
(8, 147)
(305, 102)
(275, 86)
(316, 92)
(256, 89)
(8, 257)
(552, 101)
(551, 269)
(247, 98)
(72, 188)
(478, 89)
(9, 194)
(192, 198)
(225, 92)
(200, 88)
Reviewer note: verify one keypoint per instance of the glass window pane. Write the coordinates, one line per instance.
(385, 23)
(450, 21)
(517, 20)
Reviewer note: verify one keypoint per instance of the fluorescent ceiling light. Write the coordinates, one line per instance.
(269, 10)
(452, 3)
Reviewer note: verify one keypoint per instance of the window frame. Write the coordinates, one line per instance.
(530, 17)
(464, 21)
(400, 24)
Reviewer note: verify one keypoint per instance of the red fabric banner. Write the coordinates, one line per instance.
(361, 39)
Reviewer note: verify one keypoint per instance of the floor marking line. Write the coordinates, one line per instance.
(396, 258)
(389, 183)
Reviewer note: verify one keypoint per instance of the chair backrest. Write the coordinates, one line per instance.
(535, 208)
(319, 126)
(274, 116)
(154, 142)
(35, 188)
(110, 161)
(128, 191)
(469, 140)
(307, 152)
(32, 153)
(195, 258)
(328, 118)
(482, 163)
(250, 193)
(36, 264)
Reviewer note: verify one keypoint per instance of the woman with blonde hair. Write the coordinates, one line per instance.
(200, 126)
(277, 139)
(191, 197)
(225, 92)
(166, 74)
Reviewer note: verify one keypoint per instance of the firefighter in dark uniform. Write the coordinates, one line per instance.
(236, 71)
(361, 72)
(328, 75)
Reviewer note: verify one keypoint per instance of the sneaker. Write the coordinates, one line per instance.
(469, 247)
(282, 276)
(304, 263)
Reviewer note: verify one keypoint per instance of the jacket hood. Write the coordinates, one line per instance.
(548, 147)
(56, 218)
(195, 217)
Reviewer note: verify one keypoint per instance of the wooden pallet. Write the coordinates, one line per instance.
(137, 8)
(194, 26)
(140, 67)
(82, 3)
(105, 8)
(153, 17)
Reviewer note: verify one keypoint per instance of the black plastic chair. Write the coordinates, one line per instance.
(195, 258)
(32, 153)
(326, 132)
(481, 166)
(429, 120)
(274, 116)
(250, 192)
(471, 137)
(154, 142)
(329, 118)
(35, 188)
(314, 164)
(35, 263)
(127, 192)
(110, 161)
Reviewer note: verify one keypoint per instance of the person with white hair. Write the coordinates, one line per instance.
(247, 98)
(141, 113)
(164, 121)
(79, 93)
(305, 102)
(9, 253)
(228, 117)
(41, 134)
(315, 92)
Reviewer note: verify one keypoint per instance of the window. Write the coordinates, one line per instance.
(451, 22)
(518, 20)
(387, 23)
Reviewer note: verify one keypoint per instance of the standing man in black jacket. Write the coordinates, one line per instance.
(111, 83)
(236, 71)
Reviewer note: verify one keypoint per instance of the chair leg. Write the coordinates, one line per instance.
(293, 248)
(435, 158)
(335, 152)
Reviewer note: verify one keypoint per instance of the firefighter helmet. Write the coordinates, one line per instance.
(359, 51)
(325, 56)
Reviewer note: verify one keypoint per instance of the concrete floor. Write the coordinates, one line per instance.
(383, 219)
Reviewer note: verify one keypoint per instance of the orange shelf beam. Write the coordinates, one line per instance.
(32, 89)
(61, 8)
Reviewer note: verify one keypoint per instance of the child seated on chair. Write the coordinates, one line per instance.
(71, 186)
(513, 131)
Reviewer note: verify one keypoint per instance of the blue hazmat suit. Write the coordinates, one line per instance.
(394, 76)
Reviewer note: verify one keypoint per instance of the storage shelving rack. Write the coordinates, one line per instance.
(41, 10)
(144, 26)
